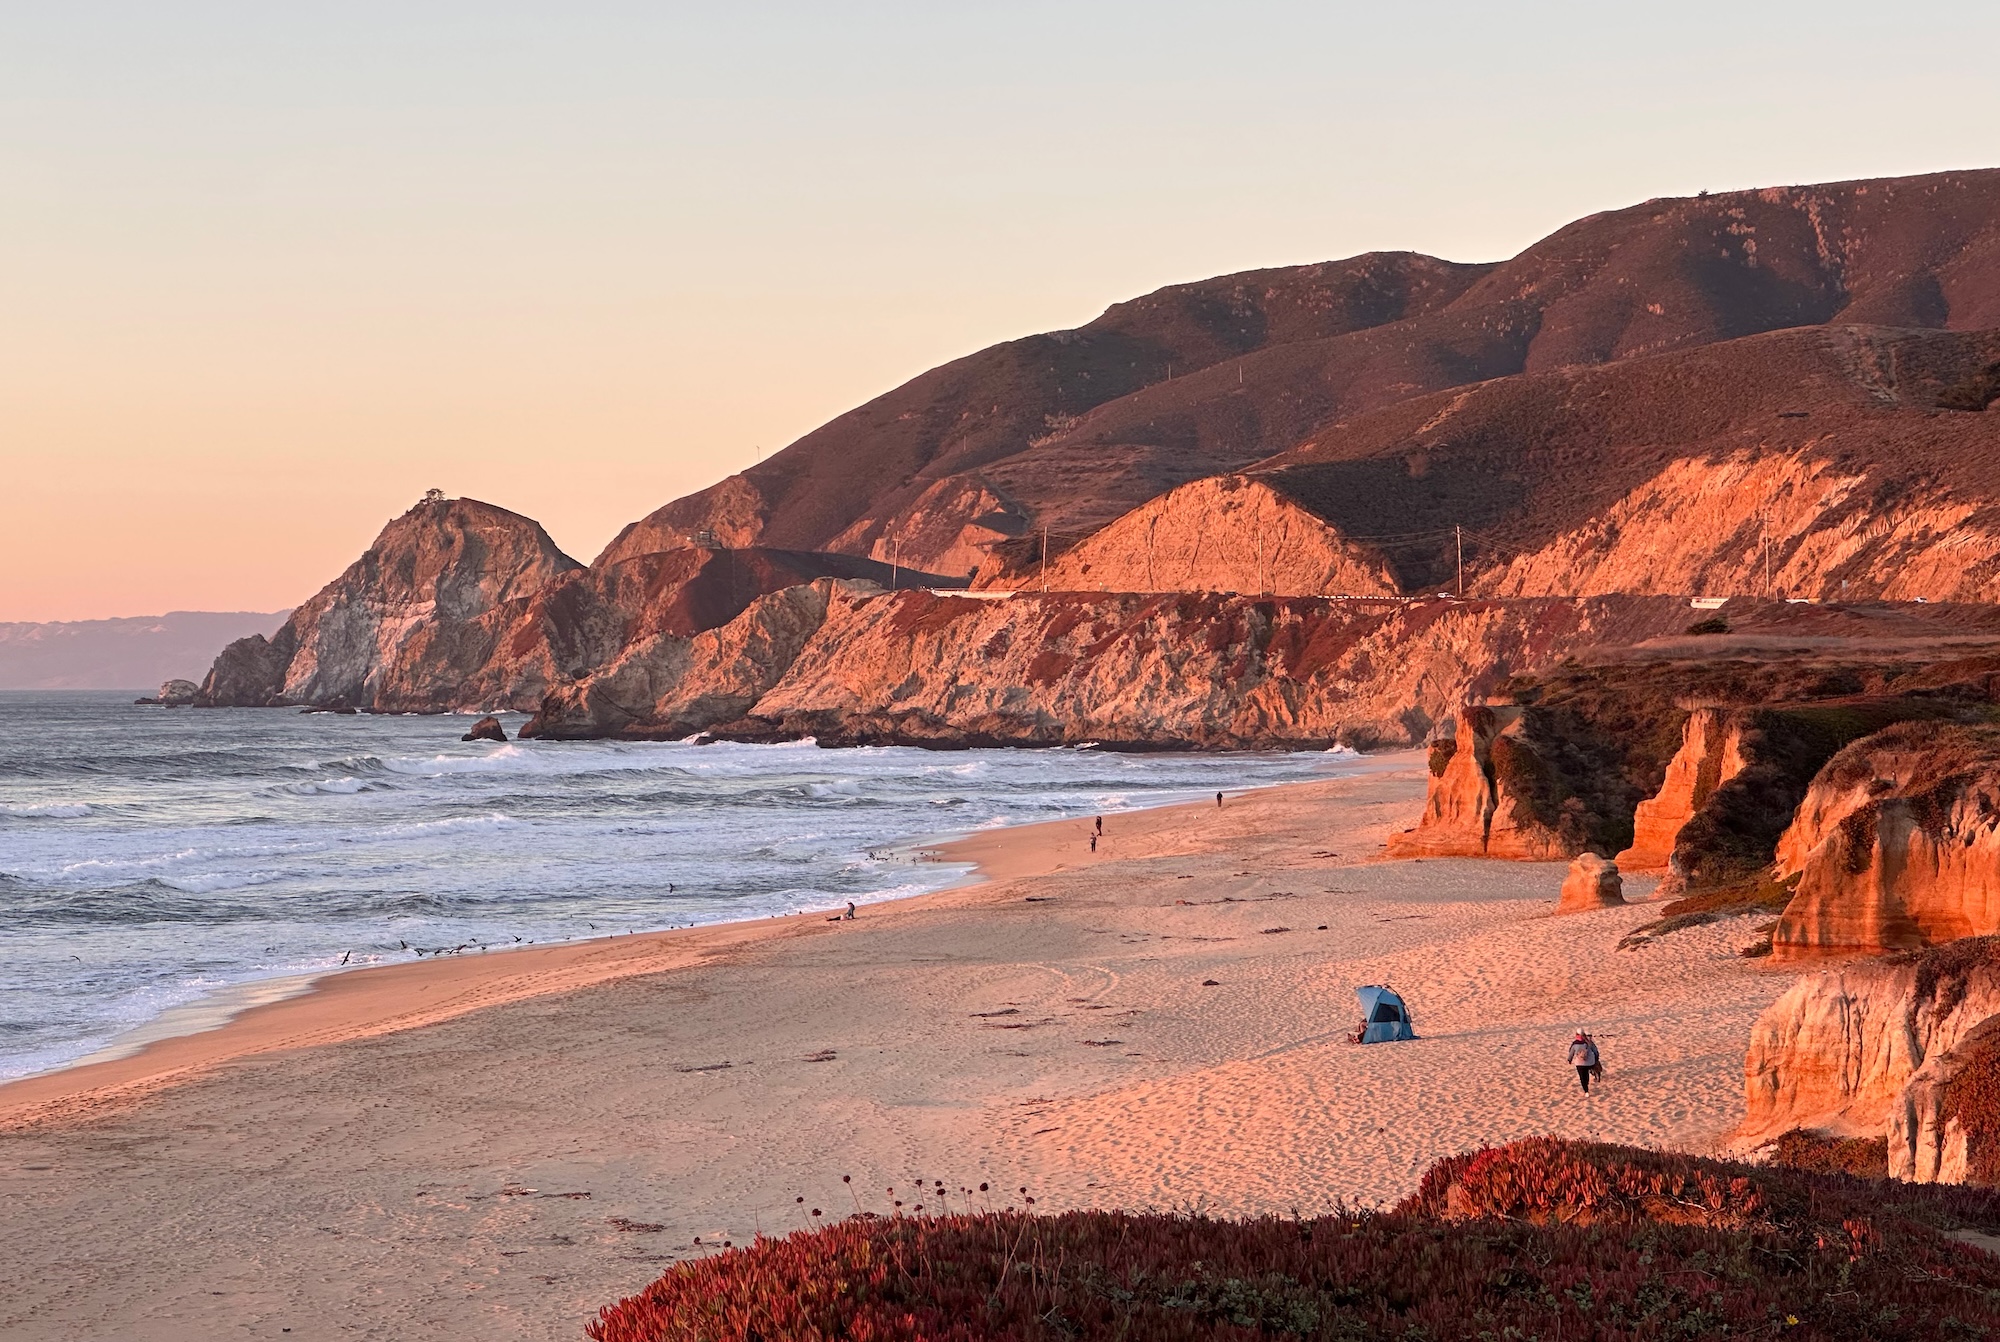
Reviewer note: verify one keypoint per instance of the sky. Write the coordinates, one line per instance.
(268, 272)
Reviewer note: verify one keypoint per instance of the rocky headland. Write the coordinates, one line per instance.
(1553, 438)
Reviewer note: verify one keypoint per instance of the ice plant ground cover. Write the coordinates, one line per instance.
(1537, 1239)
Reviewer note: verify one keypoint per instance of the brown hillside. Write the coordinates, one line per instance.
(1668, 474)
(879, 459)
(1070, 430)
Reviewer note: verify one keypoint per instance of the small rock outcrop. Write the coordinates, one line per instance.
(1711, 754)
(1486, 796)
(174, 694)
(487, 728)
(1593, 883)
(1837, 1050)
(1897, 845)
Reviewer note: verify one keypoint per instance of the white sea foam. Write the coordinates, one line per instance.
(343, 787)
(44, 810)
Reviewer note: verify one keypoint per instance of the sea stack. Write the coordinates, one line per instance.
(487, 728)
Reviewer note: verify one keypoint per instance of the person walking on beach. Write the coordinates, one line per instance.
(1093, 843)
(1583, 1057)
(1100, 824)
(1218, 801)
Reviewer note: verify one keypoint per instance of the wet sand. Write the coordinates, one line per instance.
(494, 1146)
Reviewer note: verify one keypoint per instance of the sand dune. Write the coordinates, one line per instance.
(501, 1171)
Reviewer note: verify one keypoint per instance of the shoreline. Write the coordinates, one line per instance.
(337, 1005)
(1161, 1023)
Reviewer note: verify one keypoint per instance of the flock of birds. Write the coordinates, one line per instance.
(462, 946)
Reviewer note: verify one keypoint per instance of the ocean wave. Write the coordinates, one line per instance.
(839, 787)
(496, 820)
(210, 882)
(514, 759)
(43, 810)
(99, 868)
(139, 902)
(346, 764)
(345, 787)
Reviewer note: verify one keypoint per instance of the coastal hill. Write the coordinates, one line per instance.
(1069, 430)
(1254, 493)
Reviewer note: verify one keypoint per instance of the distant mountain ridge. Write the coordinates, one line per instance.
(129, 653)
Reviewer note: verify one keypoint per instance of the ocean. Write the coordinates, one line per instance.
(162, 867)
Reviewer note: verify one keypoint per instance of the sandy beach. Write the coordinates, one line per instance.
(494, 1146)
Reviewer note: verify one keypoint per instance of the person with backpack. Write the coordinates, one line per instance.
(1583, 1057)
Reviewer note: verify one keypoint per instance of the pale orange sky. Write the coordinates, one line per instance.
(267, 273)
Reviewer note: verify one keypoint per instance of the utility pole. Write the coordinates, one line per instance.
(1045, 559)
(1458, 535)
(895, 562)
(1152, 583)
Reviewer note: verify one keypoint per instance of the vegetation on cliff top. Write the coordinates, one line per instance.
(1540, 1238)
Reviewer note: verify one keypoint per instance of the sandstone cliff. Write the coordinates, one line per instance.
(1603, 752)
(1483, 799)
(1897, 844)
(1943, 1128)
(1711, 754)
(590, 619)
(1838, 1049)
(1224, 534)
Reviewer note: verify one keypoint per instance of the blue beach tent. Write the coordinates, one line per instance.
(1384, 1018)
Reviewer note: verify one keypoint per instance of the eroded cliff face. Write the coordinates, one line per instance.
(1837, 1051)
(1711, 754)
(1898, 845)
(462, 606)
(1476, 805)
(1188, 670)
(589, 620)
(1225, 534)
(1900, 760)
(1941, 1128)
(668, 686)
(419, 613)
(1782, 524)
